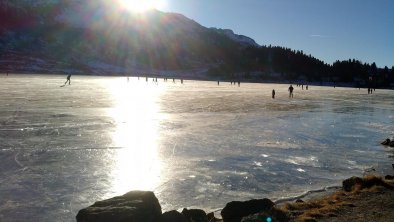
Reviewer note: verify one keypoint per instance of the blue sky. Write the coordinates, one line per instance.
(327, 29)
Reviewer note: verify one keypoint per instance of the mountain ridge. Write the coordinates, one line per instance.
(152, 41)
(96, 37)
(242, 39)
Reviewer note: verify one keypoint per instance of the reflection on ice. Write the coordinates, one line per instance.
(136, 165)
(259, 164)
(282, 145)
(305, 161)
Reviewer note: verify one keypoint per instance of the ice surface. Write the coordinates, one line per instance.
(195, 145)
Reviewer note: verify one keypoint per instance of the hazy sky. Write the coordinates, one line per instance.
(328, 29)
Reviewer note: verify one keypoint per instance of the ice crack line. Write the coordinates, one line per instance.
(17, 161)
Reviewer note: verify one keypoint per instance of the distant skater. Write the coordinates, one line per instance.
(239, 83)
(68, 80)
(306, 87)
(181, 81)
(273, 93)
(291, 91)
(218, 82)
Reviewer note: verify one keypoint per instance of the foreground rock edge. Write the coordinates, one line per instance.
(136, 206)
(332, 207)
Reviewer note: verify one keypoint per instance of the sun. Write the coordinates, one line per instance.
(141, 6)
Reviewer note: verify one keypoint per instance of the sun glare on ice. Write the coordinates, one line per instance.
(136, 161)
(140, 6)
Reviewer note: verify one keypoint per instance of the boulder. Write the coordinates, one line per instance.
(236, 210)
(173, 216)
(195, 215)
(367, 182)
(211, 217)
(272, 214)
(386, 142)
(134, 206)
(389, 177)
(375, 181)
(349, 183)
(391, 144)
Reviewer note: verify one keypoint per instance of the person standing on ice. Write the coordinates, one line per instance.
(291, 91)
(68, 80)
(273, 93)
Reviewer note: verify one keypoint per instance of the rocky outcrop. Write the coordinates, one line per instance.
(195, 215)
(272, 214)
(134, 206)
(236, 210)
(143, 206)
(361, 183)
(173, 216)
(389, 177)
(349, 183)
(211, 217)
(388, 142)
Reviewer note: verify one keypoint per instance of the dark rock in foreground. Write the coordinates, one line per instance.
(134, 206)
(388, 142)
(173, 216)
(236, 210)
(211, 217)
(354, 182)
(389, 177)
(349, 183)
(195, 215)
(273, 213)
(143, 206)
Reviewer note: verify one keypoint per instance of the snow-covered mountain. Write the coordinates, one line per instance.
(243, 40)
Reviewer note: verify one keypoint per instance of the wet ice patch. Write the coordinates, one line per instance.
(259, 164)
(353, 136)
(279, 144)
(304, 161)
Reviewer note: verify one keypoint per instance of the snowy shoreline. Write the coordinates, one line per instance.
(177, 75)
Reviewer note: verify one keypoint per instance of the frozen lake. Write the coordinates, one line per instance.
(195, 145)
